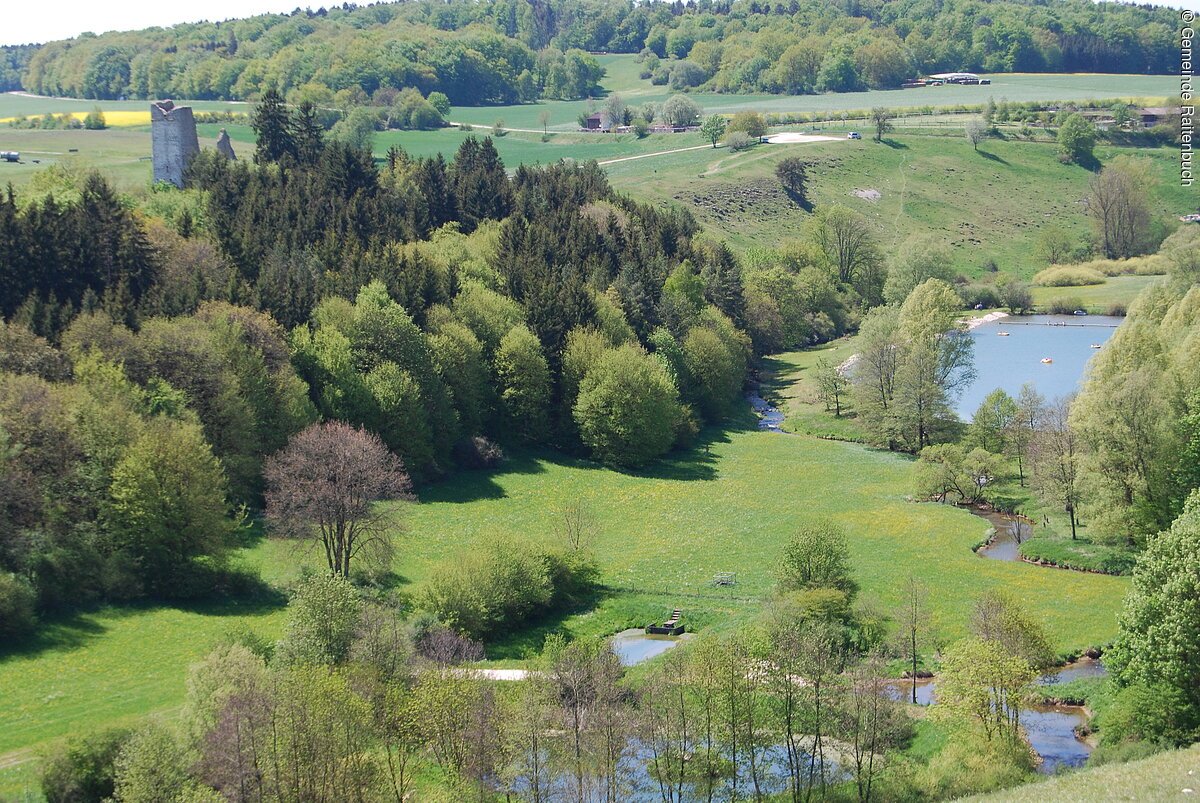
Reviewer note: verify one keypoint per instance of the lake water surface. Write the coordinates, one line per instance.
(1009, 361)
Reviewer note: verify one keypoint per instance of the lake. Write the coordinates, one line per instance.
(1010, 360)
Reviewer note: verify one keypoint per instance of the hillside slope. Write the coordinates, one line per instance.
(1174, 775)
(987, 205)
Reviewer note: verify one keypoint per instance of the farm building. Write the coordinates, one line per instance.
(1153, 115)
(960, 78)
(594, 122)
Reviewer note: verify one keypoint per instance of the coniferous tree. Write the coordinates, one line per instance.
(481, 186)
(273, 128)
(307, 134)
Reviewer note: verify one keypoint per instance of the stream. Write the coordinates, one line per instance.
(1049, 728)
(770, 418)
(1011, 531)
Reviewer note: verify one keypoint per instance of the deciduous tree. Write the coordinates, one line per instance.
(713, 128)
(323, 487)
(1056, 459)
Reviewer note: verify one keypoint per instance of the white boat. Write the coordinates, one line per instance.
(1047, 360)
(1002, 334)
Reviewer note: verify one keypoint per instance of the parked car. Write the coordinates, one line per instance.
(854, 135)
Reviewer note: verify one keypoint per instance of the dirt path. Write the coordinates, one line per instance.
(648, 155)
(16, 758)
(455, 124)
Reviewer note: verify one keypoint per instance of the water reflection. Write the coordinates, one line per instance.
(1011, 361)
(1011, 531)
(1051, 732)
(1051, 729)
(635, 645)
(637, 776)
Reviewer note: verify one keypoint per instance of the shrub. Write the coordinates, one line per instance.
(477, 452)
(817, 558)
(686, 74)
(436, 642)
(752, 123)
(17, 598)
(738, 141)
(1153, 265)
(985, 295)
(493, 589)
(84, 769)
(680, 111)
(1068, 276)
(322, 619)
(1157, 712)
(1064, 305)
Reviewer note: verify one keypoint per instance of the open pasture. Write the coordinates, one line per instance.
(623, 71)
(988, 206)
(661, 535)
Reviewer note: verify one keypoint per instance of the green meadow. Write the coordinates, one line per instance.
(727, 505)
(1096, 298)
(987, 206)
(623, 78)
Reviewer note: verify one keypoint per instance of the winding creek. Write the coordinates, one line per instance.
(1051, 729)
(1010, 533)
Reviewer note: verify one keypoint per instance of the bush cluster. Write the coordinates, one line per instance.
(506, 583)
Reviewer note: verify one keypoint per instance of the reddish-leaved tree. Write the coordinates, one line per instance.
(323, 486)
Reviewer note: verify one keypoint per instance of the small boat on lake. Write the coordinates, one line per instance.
(1047, 360)
(1002, 334)
(1095, 345)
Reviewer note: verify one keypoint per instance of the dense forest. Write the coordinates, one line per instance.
(13, 61)
(442, 306)
(509, 51)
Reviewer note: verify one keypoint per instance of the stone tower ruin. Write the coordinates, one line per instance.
(224, 146)
(173, 139)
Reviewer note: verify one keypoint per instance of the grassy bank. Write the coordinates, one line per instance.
(1095, 298)
(1162, 777)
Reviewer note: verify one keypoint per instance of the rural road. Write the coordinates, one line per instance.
(648, 155)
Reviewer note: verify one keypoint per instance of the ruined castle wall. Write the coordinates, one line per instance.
(173, 140)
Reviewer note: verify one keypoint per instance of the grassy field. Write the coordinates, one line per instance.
(623, 70)
(985, 205)
(1174, 775)
(731, 506)
(623, 78)
(728, 505)
(1096, 298)
(103, 669)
